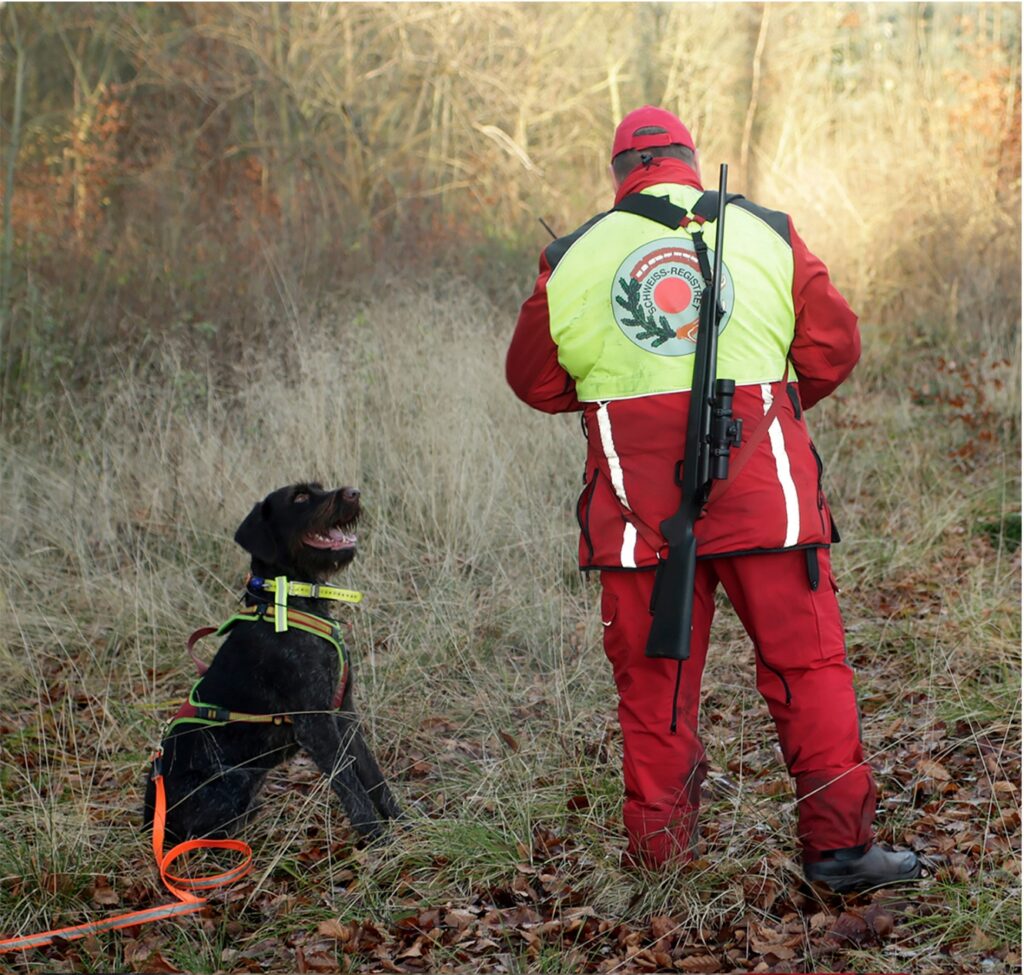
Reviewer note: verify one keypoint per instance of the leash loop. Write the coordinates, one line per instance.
(182, 888)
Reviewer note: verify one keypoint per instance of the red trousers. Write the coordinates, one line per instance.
(801, 673)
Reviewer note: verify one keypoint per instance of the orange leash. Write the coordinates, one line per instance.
(182, 887)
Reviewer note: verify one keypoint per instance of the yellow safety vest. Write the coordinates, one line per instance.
(623, 300)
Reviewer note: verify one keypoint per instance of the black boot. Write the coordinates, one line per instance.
(850, 870)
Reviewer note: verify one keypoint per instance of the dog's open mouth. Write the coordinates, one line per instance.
(336, 539)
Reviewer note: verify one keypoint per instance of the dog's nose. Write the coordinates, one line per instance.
(350, 494)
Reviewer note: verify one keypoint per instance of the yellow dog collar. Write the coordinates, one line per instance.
(309, 590)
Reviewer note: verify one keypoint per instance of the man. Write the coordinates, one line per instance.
(610, 330)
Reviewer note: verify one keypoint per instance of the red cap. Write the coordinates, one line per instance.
(674, 130)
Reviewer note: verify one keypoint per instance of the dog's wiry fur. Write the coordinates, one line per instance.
(212, 774)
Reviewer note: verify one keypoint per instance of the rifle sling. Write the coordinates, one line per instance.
(707, 206)
(660, 210)
(656, 208)
(737, 463)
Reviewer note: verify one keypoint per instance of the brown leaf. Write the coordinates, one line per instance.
(953, 872)
(704, 964)
(429, 919)
(981, 940)
(415, 951)
(336, 930)
(517, 916)
(647, 960)
(521, 887)
(419, 923)
(549, 927)
(880, 920)
(933, 770)
(761, 891)
(509, 740)
(1009, 820)
(387, 965)
(576, 917)
(577, 802)
(545, 840)
(437, 722)
(105, 896)
(458, 918)
(662, 925)
(849, 930)
(893, 727)
(157, 963)
(820, 920)
(763, 947)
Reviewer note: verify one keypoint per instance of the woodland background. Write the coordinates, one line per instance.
(247, 243)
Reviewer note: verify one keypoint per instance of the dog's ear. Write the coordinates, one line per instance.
(255, 534)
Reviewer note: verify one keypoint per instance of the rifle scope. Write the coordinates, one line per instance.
(725, 431)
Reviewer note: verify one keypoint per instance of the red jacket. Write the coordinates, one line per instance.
(775, 503)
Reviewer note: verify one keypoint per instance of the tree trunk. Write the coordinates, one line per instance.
(12, 162)
(748, 166)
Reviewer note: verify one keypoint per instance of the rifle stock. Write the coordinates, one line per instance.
(673, 592)
(703, 459)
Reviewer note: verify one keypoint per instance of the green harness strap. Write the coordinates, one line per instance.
(197, 712)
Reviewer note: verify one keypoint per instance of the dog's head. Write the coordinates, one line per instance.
(302, 531)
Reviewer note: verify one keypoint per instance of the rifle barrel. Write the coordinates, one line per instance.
(672, 620)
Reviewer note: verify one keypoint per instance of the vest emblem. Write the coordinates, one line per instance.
(656, 296)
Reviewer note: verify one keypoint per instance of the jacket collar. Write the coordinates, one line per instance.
(661, 170)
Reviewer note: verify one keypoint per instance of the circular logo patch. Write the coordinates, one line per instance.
(656, 296)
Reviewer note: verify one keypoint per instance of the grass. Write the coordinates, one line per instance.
(480, 673)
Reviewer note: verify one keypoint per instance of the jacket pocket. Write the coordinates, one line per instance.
(824, 511)
(821, 491)
(583, 504)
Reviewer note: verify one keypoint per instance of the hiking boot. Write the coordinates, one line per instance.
(850, 870)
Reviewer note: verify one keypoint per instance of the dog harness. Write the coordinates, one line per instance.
(197, 712)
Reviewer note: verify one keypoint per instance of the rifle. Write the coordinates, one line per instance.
(710, 433)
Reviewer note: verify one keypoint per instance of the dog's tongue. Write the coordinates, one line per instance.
(335, 539)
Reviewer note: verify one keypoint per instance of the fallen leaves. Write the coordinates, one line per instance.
(533, 916)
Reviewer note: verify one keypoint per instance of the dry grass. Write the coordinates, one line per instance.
(480, 671)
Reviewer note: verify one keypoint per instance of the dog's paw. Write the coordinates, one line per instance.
(370, 830)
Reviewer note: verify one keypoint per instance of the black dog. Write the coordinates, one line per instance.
(213, 770)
